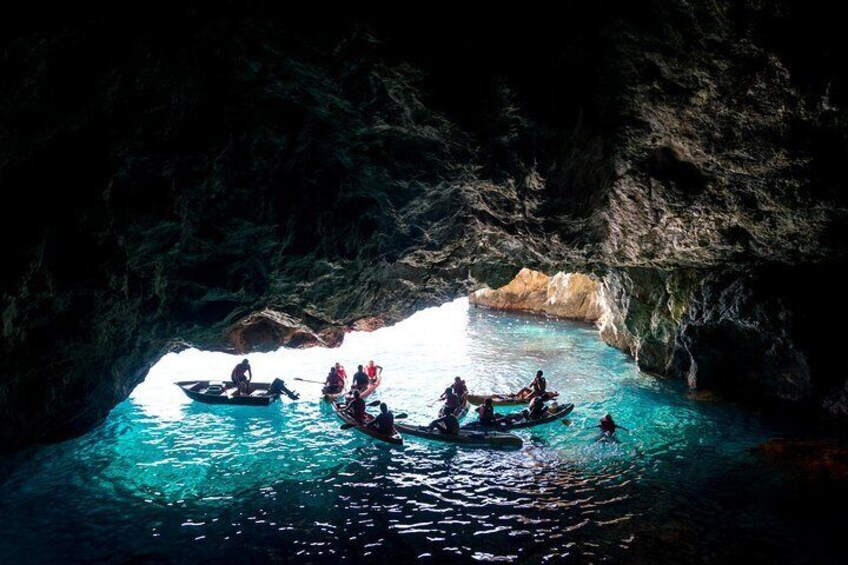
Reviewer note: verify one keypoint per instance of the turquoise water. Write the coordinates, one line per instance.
(167, 479)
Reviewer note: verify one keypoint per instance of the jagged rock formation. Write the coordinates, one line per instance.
(233, 177)
(572, 296)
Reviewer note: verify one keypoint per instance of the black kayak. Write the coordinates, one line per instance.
(225, 392)
(517, 420)
(484, 438)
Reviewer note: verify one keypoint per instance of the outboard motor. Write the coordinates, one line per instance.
(279, 387)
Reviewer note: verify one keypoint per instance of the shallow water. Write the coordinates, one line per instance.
(169, 479)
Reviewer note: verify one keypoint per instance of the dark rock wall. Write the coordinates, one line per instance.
(234, 176)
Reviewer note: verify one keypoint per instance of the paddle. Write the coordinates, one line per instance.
(309, 381)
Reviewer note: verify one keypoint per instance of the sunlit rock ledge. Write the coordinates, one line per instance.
(572, 296)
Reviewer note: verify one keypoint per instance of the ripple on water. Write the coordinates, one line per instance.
(167, 477)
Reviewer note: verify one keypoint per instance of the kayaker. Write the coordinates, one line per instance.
(384, 423)
(373, 370)
(459, 387)
(340, 371)
(451, 402)
(447, 425)
(537, 409)
(486, 413)
(356, 406)
(240, 378)
(537, 387)
(334, 383)
(360, 379)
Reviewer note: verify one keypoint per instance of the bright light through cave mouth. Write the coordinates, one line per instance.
(198, 481)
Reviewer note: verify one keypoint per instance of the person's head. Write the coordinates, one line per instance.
(337, 365)
(246, 363)
(539, 374)
(332, 370)
(356, 394)
(359, 367)
(383, 407)
(457, 380)
(606, 418)
(449, 390)
(488, 402)
(371, 363)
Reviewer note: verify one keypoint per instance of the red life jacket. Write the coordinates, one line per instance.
(371, 371)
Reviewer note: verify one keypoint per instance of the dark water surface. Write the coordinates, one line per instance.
(166, 479)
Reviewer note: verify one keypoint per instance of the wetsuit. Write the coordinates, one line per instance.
(459, 388)
(608, 426)
(357, 407)
(360, 380)
(384, 423)
(451, 404)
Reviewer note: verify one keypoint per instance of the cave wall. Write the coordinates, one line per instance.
(234, 176)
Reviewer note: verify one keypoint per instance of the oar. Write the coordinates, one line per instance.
(309, 381)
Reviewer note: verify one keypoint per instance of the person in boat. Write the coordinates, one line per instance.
(241, 377)
(356, 406)
(459, 387)
(447, 424)
(537, 388)
(486, 414)
(537, 409)
(334, 383)
(340, 371)
(384, 423)
(360, 379)
(373, 370)
(452, 402)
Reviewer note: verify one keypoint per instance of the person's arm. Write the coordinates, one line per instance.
(379, 370)
(249, 372)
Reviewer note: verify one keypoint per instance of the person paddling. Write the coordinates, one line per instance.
(451, 402)
(384, 423)
(537, 409)
(447, 424)
(360, 379)
(334, 383)
(486, 414)
(356, 407)
(373, 370)
(240, 378)
(340, 371)
(459, 387)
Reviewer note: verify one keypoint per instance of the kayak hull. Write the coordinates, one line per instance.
(560, 412)
(467, 437)
(504, 399)
(395, 438)
(200, 391)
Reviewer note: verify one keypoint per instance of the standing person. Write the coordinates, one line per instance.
(240, 377)
(360, 379)
(451, 402)
(356, 407)
(340, 371)
(384, 423)
(334, 383)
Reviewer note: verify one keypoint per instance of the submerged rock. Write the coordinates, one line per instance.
(814, 459)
